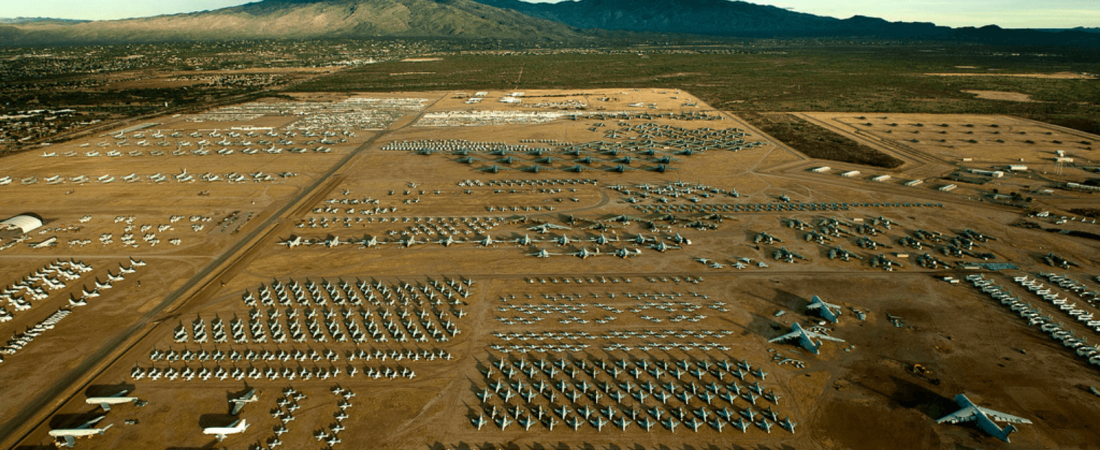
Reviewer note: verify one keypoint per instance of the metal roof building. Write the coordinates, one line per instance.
(24, 222)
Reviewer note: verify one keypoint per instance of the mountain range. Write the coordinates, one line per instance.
(583, 20)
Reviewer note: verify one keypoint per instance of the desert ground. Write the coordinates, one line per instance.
(566, 269)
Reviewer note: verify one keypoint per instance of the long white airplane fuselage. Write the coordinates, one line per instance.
(221, 432)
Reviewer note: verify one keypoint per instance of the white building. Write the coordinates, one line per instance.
(24, 222)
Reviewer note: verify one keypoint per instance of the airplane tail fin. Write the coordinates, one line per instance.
(1007, 430)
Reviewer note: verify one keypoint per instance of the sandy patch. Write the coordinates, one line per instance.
(1002, 95)
(416, 60)
(1050, 76)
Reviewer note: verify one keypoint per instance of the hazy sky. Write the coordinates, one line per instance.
(956, 13)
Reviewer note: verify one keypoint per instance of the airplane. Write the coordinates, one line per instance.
(788, 425)
(765, 238)
(806, 338)
(106, 402)
(765, 425)
(543, 254)
(504, 421)
(985, 418)
(825, 310)
(663, 247)
(646, 423)
(546, 227)
(69, 435)
(526, 240)
(584, 253)
(626, 253)
(221, 432)
(603, 240)
(331, 241)
(292, 241)
(239, 402)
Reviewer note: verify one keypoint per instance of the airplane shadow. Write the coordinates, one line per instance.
(106, 390)
(74, 420)
(216, 420)
(910, 395)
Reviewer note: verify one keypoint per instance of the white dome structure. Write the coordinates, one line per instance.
(24, 222)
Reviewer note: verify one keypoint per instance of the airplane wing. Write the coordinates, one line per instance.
(963, 415)
(236, 408)
(784, 337)
(1002, 417)
(824, 337)
(70, 441)
(105, 406)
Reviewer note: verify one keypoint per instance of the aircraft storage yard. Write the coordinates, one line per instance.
(597, 268)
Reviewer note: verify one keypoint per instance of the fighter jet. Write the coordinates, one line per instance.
(239, 402)
(221, 432)
(765, 238)
(69, 435)
(662, 247)
(805, 338)
(985, 418)
(626, 253)
(584, 253)
(827, 311)
(115, 399)
(543, 254)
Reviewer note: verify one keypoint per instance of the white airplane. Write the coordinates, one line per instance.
(543, 254)
(805, 338)
(69, 435)
(584, 253)
(626, 253)
(825, 310)
(5, 180)
(239, 402)
(985, 417)
(292, 241)
(106, 402)
(221, 432)
(546, 227)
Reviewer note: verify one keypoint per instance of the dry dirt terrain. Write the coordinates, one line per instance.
(595, 269)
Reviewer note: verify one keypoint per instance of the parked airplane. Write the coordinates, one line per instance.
(239, 402)
(805, 338)
(825, 310)
(106, 402)
(985, 418)
(69, 435)
(221, 432)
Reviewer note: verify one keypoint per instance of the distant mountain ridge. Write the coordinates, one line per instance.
(14, 20)
(743, 19)
(582, 20)
(708, 17)
(303, 19)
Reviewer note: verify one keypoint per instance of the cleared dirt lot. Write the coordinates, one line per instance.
(386, 246)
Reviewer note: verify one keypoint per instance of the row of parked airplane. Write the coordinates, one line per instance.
(204, 373)
(36, 285)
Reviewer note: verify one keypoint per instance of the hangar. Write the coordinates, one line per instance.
(25, 222)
